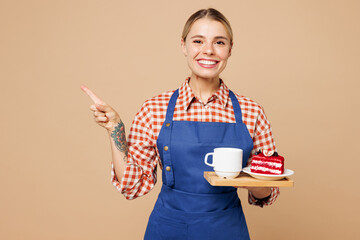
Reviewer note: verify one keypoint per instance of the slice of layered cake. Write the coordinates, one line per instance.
(273, 165)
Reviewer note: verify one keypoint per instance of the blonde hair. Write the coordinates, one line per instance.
(210, 13)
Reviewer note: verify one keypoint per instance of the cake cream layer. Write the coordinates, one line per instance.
(268, 163)
(260, 169)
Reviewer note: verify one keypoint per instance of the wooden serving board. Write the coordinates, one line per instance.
(245, 180)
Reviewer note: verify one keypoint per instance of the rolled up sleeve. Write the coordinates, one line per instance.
(263, 139)
(140, 174)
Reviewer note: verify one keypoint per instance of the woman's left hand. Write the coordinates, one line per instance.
(259, 192)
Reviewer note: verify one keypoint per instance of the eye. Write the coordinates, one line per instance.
(197, 41)
(220, 42)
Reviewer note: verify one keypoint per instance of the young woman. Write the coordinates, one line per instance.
(177, 128)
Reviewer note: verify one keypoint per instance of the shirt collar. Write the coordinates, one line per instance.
(186, 95)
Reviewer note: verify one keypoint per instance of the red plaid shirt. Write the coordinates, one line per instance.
(143, 156)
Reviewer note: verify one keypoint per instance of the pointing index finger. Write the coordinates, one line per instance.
(92, 95)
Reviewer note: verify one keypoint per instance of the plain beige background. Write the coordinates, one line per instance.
(299, 59)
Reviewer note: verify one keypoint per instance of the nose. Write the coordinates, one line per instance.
(208, 48)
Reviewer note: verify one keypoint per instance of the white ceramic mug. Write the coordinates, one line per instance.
(227, 162)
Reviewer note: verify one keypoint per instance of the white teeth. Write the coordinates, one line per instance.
(207, 62)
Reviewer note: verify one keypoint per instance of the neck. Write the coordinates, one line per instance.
(204, 88)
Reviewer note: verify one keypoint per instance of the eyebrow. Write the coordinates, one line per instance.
(217, 37)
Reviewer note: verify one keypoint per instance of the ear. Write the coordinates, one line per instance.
(183, 47)
(230, 49)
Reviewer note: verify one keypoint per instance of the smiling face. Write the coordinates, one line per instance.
(207, 48)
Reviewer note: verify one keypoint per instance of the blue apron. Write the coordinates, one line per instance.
(188, 207)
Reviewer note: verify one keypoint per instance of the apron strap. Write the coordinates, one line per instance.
(166, 131)
(236, 107)
(171, 107)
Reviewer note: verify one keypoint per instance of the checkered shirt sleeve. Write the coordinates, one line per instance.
(254, 115)
(140, 174)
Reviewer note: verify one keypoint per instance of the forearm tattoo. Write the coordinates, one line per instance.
(118, 135)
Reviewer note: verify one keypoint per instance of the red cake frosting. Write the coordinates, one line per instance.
(273, 165)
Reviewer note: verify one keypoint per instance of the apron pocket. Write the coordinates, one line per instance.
(168, 229)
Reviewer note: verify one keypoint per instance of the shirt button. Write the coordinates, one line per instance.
(168, 168)
(166, 148)
(168, 124)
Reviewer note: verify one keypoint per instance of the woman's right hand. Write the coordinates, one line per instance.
(104, 115)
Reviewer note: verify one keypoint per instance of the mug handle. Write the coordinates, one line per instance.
(206, 158)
